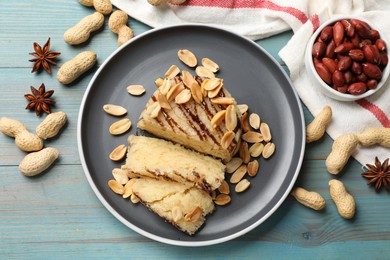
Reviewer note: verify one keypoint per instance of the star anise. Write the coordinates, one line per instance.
(378, 174)
(43, 57)
(40, 100)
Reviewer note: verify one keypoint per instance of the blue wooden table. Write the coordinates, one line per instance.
(57, 215)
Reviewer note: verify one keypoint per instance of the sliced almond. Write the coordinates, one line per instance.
(242, 108)
(196, 92)
(183, 97)
(153, 109)
(243, 185)
(177, 213)
(268, 150)
(266, 132)
(187, 57)
(166, 85)
(238, 174)
(256, 149)
(116, 187)
(204, 72)
(213, 93)
(211, 65)
(120, 175)
(159, 82)
(244, 122)
(134, 199)
(253, 168)
(212, 84)
(194, 214)
(218, 118)
(244, 152)
(231, 118)
(174, 91)
(252, 137)
(172, 72)
(118, 153)
(223, 100)
(222, 199)
(254, 121)
(128, 188)
(120, 127)
(227, 139)
(136, 90)
(114, 110)
(162, 100)
(224, 188)
(233, 164)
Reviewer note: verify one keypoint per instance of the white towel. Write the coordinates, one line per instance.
(258, 19)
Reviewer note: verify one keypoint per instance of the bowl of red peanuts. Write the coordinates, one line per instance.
(348, 57)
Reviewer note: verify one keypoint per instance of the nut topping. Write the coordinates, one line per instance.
(204, 72)
(154, 109)
(222, 199)
(218, 118)
(120, 127)
(183, 97)
(233, 164)
(254, 121)
(114, 110)
(193, 215)
(231, 118)
(253, 168)
(242, 185)
(116, 187)
(187, 57)
(118, 153)
(211, 65)
(227, 139)
(238, 174)
(136, 90)
(172, 72)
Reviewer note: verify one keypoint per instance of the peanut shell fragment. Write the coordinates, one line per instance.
(114, 110)
(136, 90)
(118, 153)
(187, 57)
(120, 127)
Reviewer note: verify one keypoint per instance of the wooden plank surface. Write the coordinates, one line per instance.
(57, 215)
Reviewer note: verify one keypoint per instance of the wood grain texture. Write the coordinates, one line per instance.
(57, 215)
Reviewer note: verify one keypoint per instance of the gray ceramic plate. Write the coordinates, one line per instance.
(250, 74)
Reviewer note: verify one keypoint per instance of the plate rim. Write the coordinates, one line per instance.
(151, 235)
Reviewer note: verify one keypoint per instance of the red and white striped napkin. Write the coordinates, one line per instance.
(258, 19)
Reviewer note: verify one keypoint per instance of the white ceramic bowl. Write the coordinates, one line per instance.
(325, 88)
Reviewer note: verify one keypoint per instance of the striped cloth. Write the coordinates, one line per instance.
(258, 19)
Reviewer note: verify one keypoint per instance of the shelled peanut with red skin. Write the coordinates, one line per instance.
(350, 56)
